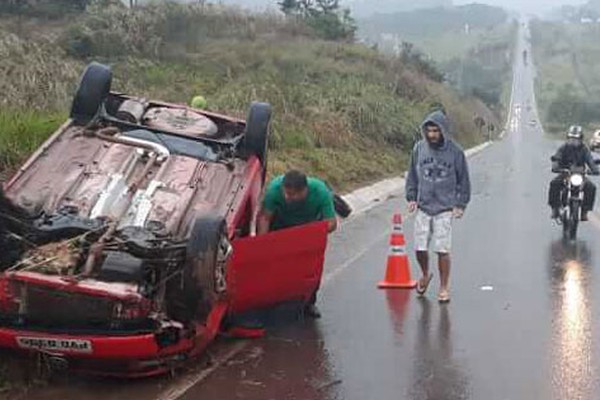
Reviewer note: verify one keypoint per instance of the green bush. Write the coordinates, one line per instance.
(22, 132)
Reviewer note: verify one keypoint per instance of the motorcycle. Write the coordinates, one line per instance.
(571, 200)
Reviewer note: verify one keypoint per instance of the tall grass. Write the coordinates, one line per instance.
(34, 74)
(21, 132)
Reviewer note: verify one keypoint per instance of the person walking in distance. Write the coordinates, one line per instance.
(438, 189)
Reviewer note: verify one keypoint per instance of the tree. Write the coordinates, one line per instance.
(328, 6)
(289, 7)
(325, 17)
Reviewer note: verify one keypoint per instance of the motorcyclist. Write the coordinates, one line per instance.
(573, 153)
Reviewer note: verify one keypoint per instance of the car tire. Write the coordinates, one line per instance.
(93, 89)
(256, 136)
(202, 282)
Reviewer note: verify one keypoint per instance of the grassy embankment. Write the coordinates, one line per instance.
(343, 111)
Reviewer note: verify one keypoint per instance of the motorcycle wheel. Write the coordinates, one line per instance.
(574, 221)
(565, 222)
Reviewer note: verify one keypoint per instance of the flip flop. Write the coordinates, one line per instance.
(444, 297)
(422, 289)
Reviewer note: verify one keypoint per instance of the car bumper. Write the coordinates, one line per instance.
(130, 356)
(134, 355)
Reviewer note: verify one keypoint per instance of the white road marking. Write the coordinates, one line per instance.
(329, 277)
(189, 382)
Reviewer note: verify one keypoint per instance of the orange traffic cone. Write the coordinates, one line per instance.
(398, 267)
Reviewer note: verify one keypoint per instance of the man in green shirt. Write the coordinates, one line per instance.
(294, 199)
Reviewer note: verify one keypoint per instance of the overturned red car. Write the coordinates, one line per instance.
(127, 238)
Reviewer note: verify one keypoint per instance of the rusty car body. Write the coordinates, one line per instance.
(127, 237)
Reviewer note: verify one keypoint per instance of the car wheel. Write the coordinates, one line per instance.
(256, 137)
(92, 92)
(204, 277)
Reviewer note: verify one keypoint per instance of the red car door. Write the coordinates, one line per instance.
(280, 266)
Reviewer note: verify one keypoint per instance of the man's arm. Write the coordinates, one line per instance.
(267, 212)
(463, 190)
(412, 180)
(328, 211)
(265, 218)
(589, 159)
(332, 225)
(557, 158)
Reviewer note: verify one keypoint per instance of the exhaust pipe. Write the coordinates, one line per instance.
(110, 135)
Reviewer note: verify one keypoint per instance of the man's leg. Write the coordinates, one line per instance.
(422, 233)
(442, 243)
(554, 195)
(444, 266)
(423, 259)
(589, 197)
(311, 310)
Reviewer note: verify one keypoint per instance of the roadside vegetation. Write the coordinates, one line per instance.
(342, 110)
(567, 56)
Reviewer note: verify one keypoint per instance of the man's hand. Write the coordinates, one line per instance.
(412, 207)
(332, 225)
(264, 222)
(458, 212)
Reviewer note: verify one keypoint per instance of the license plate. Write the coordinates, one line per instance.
(54, 344)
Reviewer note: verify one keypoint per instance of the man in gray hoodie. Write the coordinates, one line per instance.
(438, 189)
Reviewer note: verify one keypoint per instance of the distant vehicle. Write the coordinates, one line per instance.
(595, 141)
(533, 122)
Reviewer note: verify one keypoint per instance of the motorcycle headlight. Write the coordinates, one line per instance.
(576, 180)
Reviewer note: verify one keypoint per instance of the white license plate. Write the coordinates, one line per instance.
(54, 344)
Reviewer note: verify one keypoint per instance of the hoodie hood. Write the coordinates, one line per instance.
(438, 118)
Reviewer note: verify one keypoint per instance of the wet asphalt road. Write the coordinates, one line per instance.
(521, 324)
(523, 316)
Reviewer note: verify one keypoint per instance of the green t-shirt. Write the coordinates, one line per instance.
(318, 205)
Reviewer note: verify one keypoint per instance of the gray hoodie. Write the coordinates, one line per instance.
(438, 178)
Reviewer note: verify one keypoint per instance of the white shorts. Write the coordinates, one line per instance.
(434, 231)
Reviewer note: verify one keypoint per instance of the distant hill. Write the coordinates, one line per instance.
(359, 8)
(367, 8)
(431, 22)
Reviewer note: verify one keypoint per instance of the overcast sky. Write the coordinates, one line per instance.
(526, 5)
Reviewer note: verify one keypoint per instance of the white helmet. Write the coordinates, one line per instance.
(575, 132)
